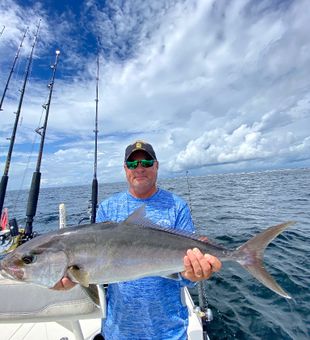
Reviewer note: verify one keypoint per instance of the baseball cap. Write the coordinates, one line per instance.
(140, 145)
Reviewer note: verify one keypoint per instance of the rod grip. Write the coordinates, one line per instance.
(94, 200)
(32, 201)
(3, 185)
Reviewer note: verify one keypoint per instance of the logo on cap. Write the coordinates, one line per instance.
(138, 145)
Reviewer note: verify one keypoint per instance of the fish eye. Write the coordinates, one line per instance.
(27, 259)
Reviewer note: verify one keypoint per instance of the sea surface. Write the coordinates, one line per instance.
(229, 209)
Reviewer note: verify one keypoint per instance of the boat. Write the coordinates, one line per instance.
(30, 312)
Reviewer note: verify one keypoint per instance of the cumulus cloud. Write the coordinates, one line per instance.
(207, 82)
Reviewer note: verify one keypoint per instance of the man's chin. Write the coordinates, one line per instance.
(141, 184)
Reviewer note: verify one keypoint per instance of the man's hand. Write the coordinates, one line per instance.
(199, 267)
(64, 284)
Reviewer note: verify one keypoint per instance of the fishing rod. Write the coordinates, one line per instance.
(3, 28)
(203, 310)
(5, 177)
(12, 68)
(101, 289)
(36, 177)
(94, 196)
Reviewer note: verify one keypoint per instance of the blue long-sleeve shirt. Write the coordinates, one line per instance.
(152, 307)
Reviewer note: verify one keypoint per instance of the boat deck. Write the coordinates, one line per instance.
(30, 312)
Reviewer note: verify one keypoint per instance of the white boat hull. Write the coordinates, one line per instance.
(30, 312)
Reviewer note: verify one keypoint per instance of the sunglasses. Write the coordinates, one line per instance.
(145, 163)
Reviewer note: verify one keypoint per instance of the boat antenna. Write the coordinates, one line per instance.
(36, 177)
(94, 196)
(5, 177)
(12, 68)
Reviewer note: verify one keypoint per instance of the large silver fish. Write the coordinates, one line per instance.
(113, 252)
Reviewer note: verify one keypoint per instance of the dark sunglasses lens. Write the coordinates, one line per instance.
(147, 163)
(132, 165)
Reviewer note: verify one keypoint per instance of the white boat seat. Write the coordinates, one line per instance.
(21, 302)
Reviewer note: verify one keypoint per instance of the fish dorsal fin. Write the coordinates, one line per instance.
(138, 218)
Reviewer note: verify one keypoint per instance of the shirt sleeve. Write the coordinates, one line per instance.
(184, 219)
(101, 215)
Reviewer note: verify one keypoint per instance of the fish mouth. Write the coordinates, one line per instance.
(12, 273)
(6, 275)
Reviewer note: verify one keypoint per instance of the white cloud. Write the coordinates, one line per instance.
(208, 82)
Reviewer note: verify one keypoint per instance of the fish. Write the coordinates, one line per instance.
(109, 252)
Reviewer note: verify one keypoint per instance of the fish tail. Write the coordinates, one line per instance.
(250, 256)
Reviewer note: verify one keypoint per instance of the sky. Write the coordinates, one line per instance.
(215, 86)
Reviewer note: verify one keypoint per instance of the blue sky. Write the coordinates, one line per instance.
(215, 86)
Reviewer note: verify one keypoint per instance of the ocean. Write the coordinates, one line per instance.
(229, 209)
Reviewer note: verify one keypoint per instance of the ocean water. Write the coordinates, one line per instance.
(229, 209)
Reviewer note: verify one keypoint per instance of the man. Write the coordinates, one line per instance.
(152, 307)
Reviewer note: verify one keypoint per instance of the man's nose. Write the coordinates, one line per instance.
(140, 166)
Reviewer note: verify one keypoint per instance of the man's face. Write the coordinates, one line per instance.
(142, 181)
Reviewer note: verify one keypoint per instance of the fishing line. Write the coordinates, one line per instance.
(3, 28)
(189, 192)
(203, 310)
(16, 78)
(29, 157)
(27, 168)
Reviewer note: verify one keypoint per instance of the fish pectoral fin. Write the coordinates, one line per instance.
(79, 275)
(92, 292)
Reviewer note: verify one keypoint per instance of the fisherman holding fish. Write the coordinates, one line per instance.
(151, 307)
(145, 248)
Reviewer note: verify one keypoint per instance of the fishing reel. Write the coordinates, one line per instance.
(21, 235)
(14, 231)
(206, 315)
